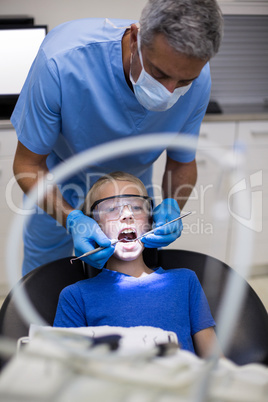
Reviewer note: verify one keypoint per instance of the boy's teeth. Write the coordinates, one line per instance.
(127, 234)
(127, 231)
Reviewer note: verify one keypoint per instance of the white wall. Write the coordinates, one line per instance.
(54, 12)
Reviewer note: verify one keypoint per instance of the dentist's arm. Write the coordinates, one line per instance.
(178, 181)
(28, 168)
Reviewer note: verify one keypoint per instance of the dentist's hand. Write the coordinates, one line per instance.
(86, 233)
(165, 212)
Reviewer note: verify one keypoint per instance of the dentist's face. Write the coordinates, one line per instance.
(169, 67)
(123, 218)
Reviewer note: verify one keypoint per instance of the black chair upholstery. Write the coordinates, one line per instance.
(44, 284)
(250, 337)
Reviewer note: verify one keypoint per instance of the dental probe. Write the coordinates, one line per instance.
(113, 242)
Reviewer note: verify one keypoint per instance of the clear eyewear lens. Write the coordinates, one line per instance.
(114, 208)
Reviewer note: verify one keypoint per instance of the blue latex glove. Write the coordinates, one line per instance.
(86, 233)
(165, 212)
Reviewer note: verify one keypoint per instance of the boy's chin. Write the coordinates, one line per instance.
(125, 254)
(127, 258)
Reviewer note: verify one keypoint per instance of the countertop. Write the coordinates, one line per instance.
(5, 124)
(230, 113)
(239, 113)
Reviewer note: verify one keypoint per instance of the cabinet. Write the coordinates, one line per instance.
(203, 231)
(244, 7)
(211, 227)
(254, 215)
(8, 201)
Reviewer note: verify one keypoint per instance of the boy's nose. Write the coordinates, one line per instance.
(126, 212)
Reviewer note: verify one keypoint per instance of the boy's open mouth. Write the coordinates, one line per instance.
(127, 235)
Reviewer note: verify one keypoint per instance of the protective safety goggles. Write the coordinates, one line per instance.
(111, 208)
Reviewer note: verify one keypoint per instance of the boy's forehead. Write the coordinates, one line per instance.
(118, 187)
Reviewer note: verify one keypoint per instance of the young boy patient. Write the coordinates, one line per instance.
(126, 293)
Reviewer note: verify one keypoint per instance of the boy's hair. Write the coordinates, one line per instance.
(111, 178)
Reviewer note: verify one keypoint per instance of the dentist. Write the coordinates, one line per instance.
(94, 81)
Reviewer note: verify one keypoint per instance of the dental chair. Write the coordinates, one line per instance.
(44, 284)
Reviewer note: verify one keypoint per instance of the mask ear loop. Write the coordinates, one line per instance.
(140, 58)
(139, 49)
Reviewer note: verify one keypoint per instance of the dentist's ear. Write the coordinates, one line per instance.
(133, 38)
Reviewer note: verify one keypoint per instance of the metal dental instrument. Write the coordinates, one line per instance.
(158, 227)
(113, 242)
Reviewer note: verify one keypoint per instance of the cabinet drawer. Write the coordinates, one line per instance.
(7, 216)
(8, 142)
(255, 202)
(255, 137)
(11, 199)
(254, 133)
(258, 239)
(6, 171)
(223, 133)
(202, 238)
(204, 205)
(3, 250)
(256, 159)
(209, 170)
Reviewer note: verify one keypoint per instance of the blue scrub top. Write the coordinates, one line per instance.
(76, 97)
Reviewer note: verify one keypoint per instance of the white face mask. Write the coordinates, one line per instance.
(150, 93)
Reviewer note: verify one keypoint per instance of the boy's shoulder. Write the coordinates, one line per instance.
(182, 278)
(178, 272)
(80, 286)
(180, 275)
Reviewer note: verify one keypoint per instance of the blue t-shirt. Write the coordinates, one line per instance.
(172, 300)
(76, 97)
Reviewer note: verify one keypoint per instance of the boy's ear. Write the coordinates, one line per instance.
(100, 225)
(150, 220)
